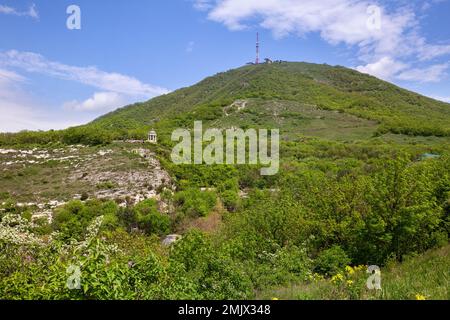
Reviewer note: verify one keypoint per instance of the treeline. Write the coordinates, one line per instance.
(86, 135)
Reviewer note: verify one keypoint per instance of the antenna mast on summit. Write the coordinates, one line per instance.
(257, 48)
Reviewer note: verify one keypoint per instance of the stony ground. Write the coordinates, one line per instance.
(43, 179)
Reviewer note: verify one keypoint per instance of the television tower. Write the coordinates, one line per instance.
(257, 48)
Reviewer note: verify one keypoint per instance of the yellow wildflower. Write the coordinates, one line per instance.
(359, 268)
(337, 278)
(317, 277)
(349, 270)
(274, 299)
(420, 297)
(349, 282)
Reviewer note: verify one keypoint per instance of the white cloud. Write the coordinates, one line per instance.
(396, 44)
(443, 99)
(390, 69)
(31, 12)
(385, 68)
(426, 5)
(17, 116)
(10, 83)
(7, 76)
(429, 52)
(338, 21)
(19, 110)
(434, 73)
(92, 76)
(202, 4)
(103, 101)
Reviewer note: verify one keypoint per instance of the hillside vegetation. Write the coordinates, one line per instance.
(380, 106)
(364, 180)
(424, 277)
(321, 86)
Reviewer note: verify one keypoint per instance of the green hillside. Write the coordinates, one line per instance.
(301, 99)
(300, 86)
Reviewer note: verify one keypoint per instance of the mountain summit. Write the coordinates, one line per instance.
(292, 95)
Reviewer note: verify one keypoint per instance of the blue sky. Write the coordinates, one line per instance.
(129, 51)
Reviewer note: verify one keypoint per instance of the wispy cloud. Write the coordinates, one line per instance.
(203, 4)
(386, 68)
(10, 82)
(92, 76)
(20, 111)
(429, 52)
(7, 76)
(31, 12)
(443, 99)
(434, 73)
(100, 101)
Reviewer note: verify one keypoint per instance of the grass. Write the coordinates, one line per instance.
(425, 276)
(108, 185)
(296, 119)
(402, 139)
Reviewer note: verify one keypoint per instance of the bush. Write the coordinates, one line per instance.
(110, 211)
(74, 217)
(331, 261)
(196, 203)
(150, 220)
(230, 200)
(217, 275)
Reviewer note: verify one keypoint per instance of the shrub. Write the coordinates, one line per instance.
(331, 261)
(217, 275)
(195, 203)
(74, 217)
(150, 220)
(230, 200)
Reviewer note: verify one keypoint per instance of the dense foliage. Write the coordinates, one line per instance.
(328, 216)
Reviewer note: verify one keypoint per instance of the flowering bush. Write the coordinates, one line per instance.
(350, 283)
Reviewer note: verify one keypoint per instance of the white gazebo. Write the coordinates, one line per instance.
(152, 137)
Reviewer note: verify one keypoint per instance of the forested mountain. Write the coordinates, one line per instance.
(303, 85)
